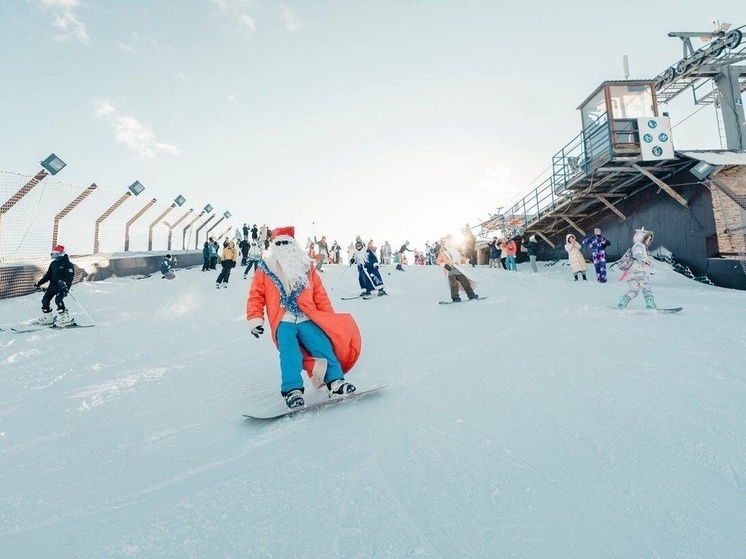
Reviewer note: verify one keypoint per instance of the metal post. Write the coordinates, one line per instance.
(103, 216)
(196, 237)
(216, 224)
(183, 233)
(731, 107)
(70, 207)
(131, 221)
(155, 221)
(171, 227)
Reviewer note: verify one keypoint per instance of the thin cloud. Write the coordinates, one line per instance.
(289, 18)
(238, 10)
(127, 47)
(128, 131)
(66, 20)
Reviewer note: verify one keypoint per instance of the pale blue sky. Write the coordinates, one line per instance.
(391, 119)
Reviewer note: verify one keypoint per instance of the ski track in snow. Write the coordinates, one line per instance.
(538, 423)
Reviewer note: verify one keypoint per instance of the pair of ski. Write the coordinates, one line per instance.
(366, 297)
(276, 414)
(25, 328)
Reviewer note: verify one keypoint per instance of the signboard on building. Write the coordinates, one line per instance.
(655, 138)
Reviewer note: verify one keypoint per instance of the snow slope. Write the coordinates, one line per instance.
(535, 424)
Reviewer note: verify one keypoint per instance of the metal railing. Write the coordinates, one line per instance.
(579, 157)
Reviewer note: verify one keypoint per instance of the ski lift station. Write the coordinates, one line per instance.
(622, 172)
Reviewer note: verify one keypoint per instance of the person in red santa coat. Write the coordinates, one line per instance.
(311, 337)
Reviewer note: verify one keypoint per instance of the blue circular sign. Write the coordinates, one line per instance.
(647, 138)
(657, 151)
(663, 137)
(652, 124)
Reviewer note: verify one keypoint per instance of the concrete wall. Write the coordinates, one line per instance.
(92, 268)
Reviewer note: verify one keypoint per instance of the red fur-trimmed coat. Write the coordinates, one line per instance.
(314, 302)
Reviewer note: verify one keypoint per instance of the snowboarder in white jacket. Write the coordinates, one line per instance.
(637, 275)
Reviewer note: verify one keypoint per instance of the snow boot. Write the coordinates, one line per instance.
(63, 319)
(623, 301)
(340, 387)
(456, 299)
(225, 285)
(650, 302)
(294, 399)
(217, 286)
(473, 296)
(382, 292)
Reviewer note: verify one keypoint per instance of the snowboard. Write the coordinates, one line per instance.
(672, 310)
(463, 301)
(317, 405)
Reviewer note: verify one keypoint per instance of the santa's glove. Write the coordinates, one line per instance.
(258, 331)
(375, 266)
(447, 267)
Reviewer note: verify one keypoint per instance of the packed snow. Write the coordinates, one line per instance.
(538, 423)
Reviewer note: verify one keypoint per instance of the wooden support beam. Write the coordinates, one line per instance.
(546, 240)
(670, 191)
(612, 208)
(573, 224)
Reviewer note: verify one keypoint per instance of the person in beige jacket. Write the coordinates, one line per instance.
(577, 260)
(450, 259)
(228, 262)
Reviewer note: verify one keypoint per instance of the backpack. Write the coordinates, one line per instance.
(626, 261)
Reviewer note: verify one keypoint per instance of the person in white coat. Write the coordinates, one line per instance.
(575, 256)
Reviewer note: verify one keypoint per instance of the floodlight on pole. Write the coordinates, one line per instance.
(134, 189)
(52, 165)
(225, 216)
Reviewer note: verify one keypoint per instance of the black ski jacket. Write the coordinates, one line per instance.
(60, 274)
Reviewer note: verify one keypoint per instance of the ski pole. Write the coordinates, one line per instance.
(340, 277)
(81, 306)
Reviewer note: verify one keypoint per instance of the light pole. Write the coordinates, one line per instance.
(171, 227)
(70, 207)
(226, 215)
(135, 188)
(132, 220)
(208, 209)
(160, 217)
(183, 234)
(51, 166)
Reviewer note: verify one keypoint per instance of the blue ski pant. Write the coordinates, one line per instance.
(510, 263)
(290, 337)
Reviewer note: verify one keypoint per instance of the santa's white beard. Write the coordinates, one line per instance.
(290, 263)
(361, 256)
